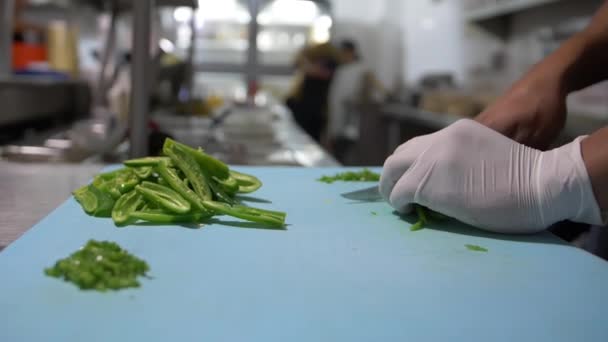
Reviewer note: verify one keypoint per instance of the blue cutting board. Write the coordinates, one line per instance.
(337, 273)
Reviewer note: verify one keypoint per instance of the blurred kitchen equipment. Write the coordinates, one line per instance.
(26, 99)
(98, 135)
(33, 154)
(62, 47)
(103, 85)
(28, 49)
(454, 102)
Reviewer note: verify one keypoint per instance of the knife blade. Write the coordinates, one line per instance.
(371, 194)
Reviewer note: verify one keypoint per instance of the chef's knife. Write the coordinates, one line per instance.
(368, 195)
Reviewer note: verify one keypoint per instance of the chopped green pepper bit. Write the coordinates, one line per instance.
(94, 201)
(421, 218)
(101, 266)
(364, 175)
(417, 226)
(476, 248)
(423, 213)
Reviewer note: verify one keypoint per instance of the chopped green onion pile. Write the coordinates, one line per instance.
(185, 185)
(364, 175)
(101, 266)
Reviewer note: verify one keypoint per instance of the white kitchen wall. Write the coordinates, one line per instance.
(530, 35)
(403, 40)
(433, 38)
(527, 38)
(376, 27)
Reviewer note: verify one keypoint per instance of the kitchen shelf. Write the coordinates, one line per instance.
(123, 5)
(503, 8)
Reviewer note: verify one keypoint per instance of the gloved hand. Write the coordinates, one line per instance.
(478, 176)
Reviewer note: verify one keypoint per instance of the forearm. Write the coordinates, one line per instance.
(577, 63)
(581, 60)
(595, 156)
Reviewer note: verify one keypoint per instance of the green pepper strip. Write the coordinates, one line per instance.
(172, 179)
(421, 214)
(161, 216)
(146, 161)
(107, 186)
(142, 172)
(190, 168)
(162, 181)
(422, 221)
(247, 183)
(220, 194)
(94, 201)
(164, 197)
(116, 182)
(209, 164)
(126, 204)
(230, 185)
(111, 174)
(271, 218)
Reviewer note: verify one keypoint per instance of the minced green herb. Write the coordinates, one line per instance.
(374, 213)
(476, 248)
(101, 266)
(364, 175)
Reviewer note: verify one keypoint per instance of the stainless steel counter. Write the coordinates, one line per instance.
(249, 136)
(29, 191)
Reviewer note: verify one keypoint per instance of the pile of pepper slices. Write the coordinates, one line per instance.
(185, 185)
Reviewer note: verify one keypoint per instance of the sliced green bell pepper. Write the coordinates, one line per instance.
(163, 196)
(146, 161)
(116, 182)
(269, 217)
(210, 165)
(143, 172)
(170, 177)
(161, 216)
(191, 169)
(247, 183)
(229, 185)
(219, 194)
(94, 201)
(126, 204)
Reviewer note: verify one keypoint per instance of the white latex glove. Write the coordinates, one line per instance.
(478, 176)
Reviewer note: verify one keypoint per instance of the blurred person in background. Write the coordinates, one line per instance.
(353, 83)
(308, 99)
(494, 172)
